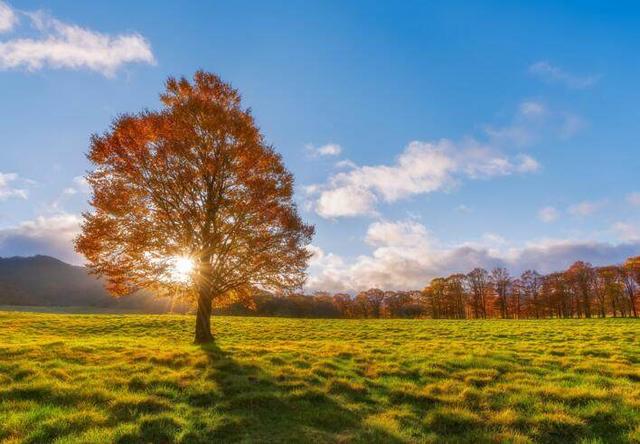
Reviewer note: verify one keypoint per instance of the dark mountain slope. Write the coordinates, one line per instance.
(46, 281)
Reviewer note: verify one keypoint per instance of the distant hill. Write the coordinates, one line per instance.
(46, 281)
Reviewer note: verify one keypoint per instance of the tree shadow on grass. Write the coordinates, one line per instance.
(257, 407)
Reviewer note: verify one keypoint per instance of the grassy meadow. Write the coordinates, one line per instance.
(137, 378)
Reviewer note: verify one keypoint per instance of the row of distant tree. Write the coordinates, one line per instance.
(582, 291)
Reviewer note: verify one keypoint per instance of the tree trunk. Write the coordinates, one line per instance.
(587, 305)
(203, 317)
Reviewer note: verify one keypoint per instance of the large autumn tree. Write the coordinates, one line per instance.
(193, 180)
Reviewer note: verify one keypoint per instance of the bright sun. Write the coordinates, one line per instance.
(182, 269)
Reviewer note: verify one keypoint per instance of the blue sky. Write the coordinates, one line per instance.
(425, 138)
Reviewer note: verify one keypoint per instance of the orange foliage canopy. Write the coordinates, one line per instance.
(193, 179)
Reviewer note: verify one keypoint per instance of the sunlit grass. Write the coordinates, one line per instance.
(138, 378)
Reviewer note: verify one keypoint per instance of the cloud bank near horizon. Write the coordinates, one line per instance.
(405, 255)
(45, 235)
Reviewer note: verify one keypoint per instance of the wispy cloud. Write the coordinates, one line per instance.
(548, 214)
(570, 125)
(345, 163)
(8, 189)
(633, 199)
(550, 73)
(8, 18)
(330, 149)
(626, 232)
(585, 208)
(62, 45)
(532, 122)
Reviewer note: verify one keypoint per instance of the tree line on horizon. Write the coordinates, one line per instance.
(581, 291)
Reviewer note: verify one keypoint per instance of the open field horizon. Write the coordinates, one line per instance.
(139, 378)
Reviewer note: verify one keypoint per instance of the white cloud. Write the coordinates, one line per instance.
(406, 256)
(345, 201)
(320, 258)
(346, 163)
(531, 108)
(8, 17)
(407, 233)
(548, 214)
(395, 260)
(7, 190)
(626, 232)
(330, 149)
(548, 72)
(52, 235)
(633, 199)
(526, 164)
(63, 45)
(317, 254)
(421, 168)
(493, 239)
(584, 209)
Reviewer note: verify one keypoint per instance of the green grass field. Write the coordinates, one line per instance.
(138, 378)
